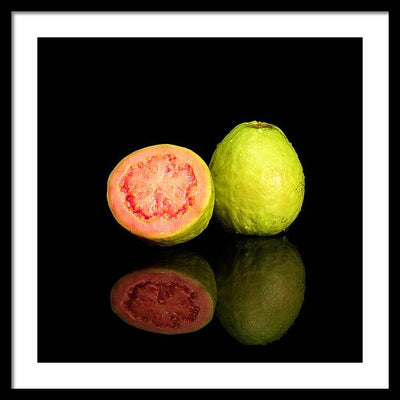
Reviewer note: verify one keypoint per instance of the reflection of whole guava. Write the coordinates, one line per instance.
(258, 179)
(175, 293)
(261, 285)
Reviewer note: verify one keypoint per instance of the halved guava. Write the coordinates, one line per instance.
(163, 194)
(258, 179)
(261, 286)
(177, 294)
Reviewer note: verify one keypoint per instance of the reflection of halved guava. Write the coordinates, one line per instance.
(163, 194)
(261, 284)
(176, 294)
(258, 178)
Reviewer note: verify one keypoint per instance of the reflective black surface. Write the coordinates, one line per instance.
(100, 99)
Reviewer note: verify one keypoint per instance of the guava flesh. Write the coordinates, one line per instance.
(261, 287)
(163, 194)
(159, 186)
(174, 295)
(165, 304)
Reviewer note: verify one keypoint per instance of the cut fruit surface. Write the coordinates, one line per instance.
(171, 297)
(159, 187)
(165, 304)
(163, 194)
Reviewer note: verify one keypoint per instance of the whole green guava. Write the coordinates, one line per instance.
(258, 178)
(261, 287)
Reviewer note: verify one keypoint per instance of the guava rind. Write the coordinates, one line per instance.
(186, 232)
(259, 180)
(261, 287)
(187, 264)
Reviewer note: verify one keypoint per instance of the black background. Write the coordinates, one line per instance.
(100, 99)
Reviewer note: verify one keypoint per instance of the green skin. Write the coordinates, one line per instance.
(258, 179)
(261, 286)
